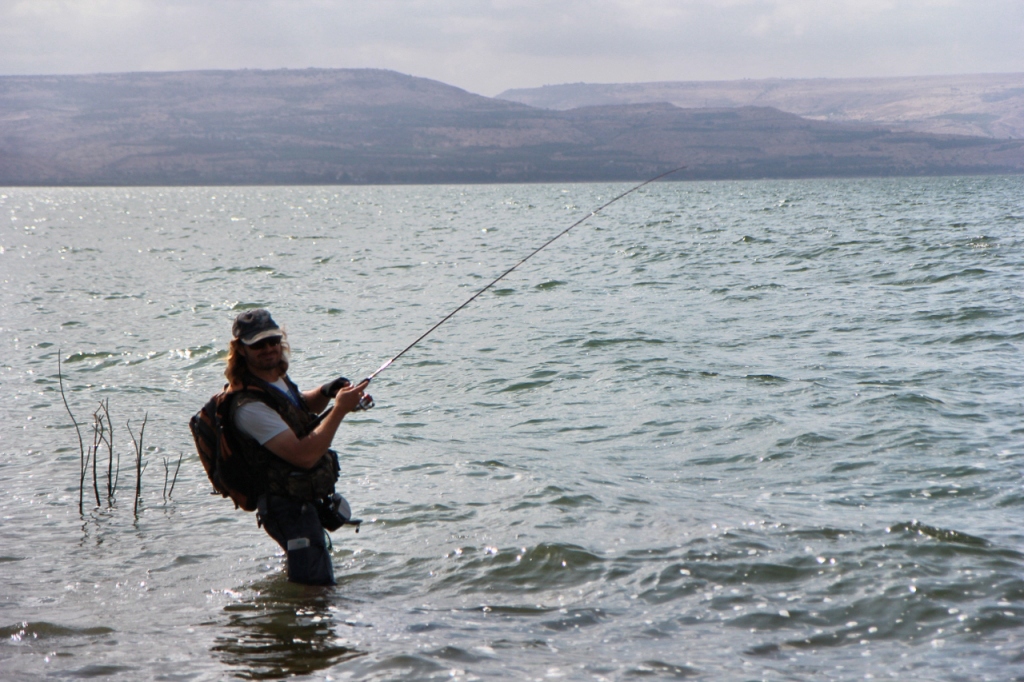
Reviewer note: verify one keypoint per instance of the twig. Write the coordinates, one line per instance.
(138, 459)
(81, 444)
(81, 482)
(175, 479)
(167, 476)
(111, 481)
(98, 430)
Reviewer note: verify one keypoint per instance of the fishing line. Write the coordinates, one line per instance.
(531, 255)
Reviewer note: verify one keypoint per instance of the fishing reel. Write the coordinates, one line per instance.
(366, 402)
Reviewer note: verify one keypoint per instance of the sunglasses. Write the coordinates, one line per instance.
(267, 342)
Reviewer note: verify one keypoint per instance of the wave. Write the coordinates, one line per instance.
(539, 568)
(46, 630)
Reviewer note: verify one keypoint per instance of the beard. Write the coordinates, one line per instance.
(264, 361)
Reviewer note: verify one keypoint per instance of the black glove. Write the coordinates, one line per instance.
(330, 390)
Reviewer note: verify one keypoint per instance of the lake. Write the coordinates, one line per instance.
(764, 430)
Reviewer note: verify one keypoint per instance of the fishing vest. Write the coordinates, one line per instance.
(277, 476)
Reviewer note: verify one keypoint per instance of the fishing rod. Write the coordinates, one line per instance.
(528, 257)
(366, 402)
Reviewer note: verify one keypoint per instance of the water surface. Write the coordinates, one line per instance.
(722, 431)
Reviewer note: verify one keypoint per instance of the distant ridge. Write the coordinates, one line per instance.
(987, 105)
(340, 126)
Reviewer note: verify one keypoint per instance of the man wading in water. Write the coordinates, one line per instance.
(274, 425)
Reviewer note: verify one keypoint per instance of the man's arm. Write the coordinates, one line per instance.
(318, 398)
(306, 452)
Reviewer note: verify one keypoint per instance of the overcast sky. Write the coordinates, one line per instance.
(487, 46)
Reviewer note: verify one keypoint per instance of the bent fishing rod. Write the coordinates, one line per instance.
(507, 272)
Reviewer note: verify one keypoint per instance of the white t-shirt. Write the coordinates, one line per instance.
(259, 420)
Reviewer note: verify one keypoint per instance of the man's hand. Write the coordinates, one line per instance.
(329, 390)
(347, 399)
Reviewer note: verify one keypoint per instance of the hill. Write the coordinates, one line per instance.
(373, 126)
(987, 105)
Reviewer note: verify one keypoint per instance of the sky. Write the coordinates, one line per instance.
(488, 46)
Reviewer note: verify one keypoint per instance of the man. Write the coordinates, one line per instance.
(276, 427)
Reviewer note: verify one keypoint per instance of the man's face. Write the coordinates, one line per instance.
(264, 355)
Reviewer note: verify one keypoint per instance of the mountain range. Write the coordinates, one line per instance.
(373, 126)
(986, 105)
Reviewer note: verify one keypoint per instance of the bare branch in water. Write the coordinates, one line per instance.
(111, 475)
(81, 482)
(81, 444)
(98, 436)
(175, 479)
(167, 477)
(167, 472)
(138, 459)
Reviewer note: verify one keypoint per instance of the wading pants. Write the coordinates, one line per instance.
(295, 526)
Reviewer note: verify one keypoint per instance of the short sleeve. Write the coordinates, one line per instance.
(258, 420)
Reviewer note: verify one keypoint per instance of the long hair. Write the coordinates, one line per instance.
(236, 366)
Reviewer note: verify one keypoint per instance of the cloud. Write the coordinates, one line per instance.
(489, 45)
